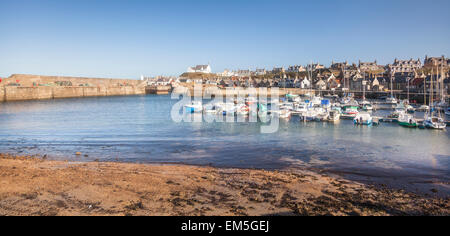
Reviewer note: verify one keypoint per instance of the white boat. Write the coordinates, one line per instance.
(434, 122)
(300, 107)
(211, 109)
(391, 100)
(194, 107)
(407, 120)
(423, 108)
(350, 112)
(334, 116)
(346, 100)
(400, 108)
(322, 116)
(363, 118)
(366, 105)
(309, 115)
(447, 112)
(287, 106)
(284, 114)
(228, 109)
(410, 109)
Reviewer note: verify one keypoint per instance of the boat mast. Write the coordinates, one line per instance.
(364, 86)
(425, 90)
(431, 90)
(442, 85)
(408, 87)
(392, 91)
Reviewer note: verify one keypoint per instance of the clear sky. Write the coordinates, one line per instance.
(124, 39)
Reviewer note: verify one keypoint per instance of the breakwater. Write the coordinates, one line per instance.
(34, 87)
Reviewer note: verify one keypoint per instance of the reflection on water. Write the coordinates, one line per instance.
(139, 129)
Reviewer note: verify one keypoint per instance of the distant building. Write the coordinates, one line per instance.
(278, 70)
(333, 82)
(200, 69)
(321, 85)
(368, 66)
(226, 73)
(296, 68)
(305, 83)
(317, 66)
(243, 73)
(339, 65)
(260, 72)
(404, 67)
(436, 61)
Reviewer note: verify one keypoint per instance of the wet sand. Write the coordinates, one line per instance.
(35, 186)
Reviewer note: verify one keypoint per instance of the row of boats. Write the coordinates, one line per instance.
(315, 108)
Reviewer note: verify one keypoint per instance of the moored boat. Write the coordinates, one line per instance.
(391, 100)
(334, 116)
(434, 122)
(350, 112)
(407, 120)
(423, 108)
(194, 107)
(366, 105)
(363, 118)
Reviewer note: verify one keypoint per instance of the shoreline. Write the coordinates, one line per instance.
(35, 186)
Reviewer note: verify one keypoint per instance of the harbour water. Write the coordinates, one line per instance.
(140, 129)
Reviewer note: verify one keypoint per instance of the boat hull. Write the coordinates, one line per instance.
(408, 125)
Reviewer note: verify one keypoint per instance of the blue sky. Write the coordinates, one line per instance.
(124, 39)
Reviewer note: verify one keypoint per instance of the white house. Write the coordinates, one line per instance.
(305, 83)
(200, 69)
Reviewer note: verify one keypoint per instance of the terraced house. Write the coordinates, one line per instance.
(404, 67)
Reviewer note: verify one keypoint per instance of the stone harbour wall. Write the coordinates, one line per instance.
(33, 87)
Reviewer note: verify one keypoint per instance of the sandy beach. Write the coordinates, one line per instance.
(35, 186)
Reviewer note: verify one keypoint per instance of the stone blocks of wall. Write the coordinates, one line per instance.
(27, 93)
(2, 94)
(11, 93)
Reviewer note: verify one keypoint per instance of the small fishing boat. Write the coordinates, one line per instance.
(407, 120)
(300, 107)
(366, 105)
(363, 118)
(393, 117)
(334, 116)
(309, 115)
(410, 109)
(434, 122)
(283, 114)
(291, 97)
(391, 100)
(423, 108)
(349, 112)
(194, 107)
(287, 106)
(321, 116)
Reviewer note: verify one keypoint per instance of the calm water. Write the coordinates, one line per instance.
(139, 129)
